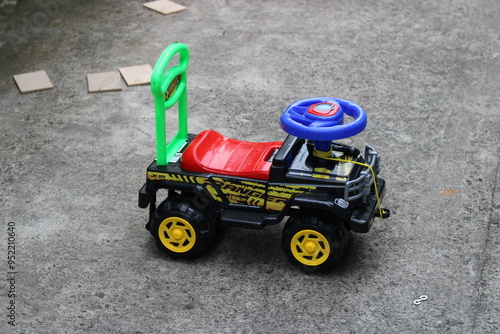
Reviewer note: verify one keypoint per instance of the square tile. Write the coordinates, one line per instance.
(33, 81)
(164, 6)
(137, 75)
(104, 82)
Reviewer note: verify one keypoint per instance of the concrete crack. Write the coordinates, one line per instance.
(485, 256)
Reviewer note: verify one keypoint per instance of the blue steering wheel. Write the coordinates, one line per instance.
(321, 119)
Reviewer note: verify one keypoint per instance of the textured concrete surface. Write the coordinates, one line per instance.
(71, 163)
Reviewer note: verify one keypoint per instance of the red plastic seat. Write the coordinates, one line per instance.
(211, 152)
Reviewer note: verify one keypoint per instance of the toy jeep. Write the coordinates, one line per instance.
(326, 189)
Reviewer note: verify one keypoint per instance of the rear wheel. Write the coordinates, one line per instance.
(314, 242)
(181, 230)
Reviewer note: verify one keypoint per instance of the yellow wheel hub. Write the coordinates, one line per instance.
(310, 247)
(177, 235)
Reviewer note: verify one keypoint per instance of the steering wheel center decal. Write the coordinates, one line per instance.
(324, 109)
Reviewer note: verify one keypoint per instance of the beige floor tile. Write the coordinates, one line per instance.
(137, 75)
(164, 6)
(33, 82)
(104, 82)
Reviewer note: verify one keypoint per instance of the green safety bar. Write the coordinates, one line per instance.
(168, 88)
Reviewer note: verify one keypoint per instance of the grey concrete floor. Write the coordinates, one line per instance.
(71, 163)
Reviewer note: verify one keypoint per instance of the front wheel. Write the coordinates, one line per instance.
(181, 230)
(314, 242)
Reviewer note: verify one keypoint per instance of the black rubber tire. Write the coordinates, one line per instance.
(333, 233)
(178, 216)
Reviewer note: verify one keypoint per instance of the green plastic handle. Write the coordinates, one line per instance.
(169, 87)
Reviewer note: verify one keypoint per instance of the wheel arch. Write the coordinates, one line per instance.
(148, 196)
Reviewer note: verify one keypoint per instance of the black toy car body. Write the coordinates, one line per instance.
(214, 180)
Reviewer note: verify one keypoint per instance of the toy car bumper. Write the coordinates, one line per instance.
(362, 219)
